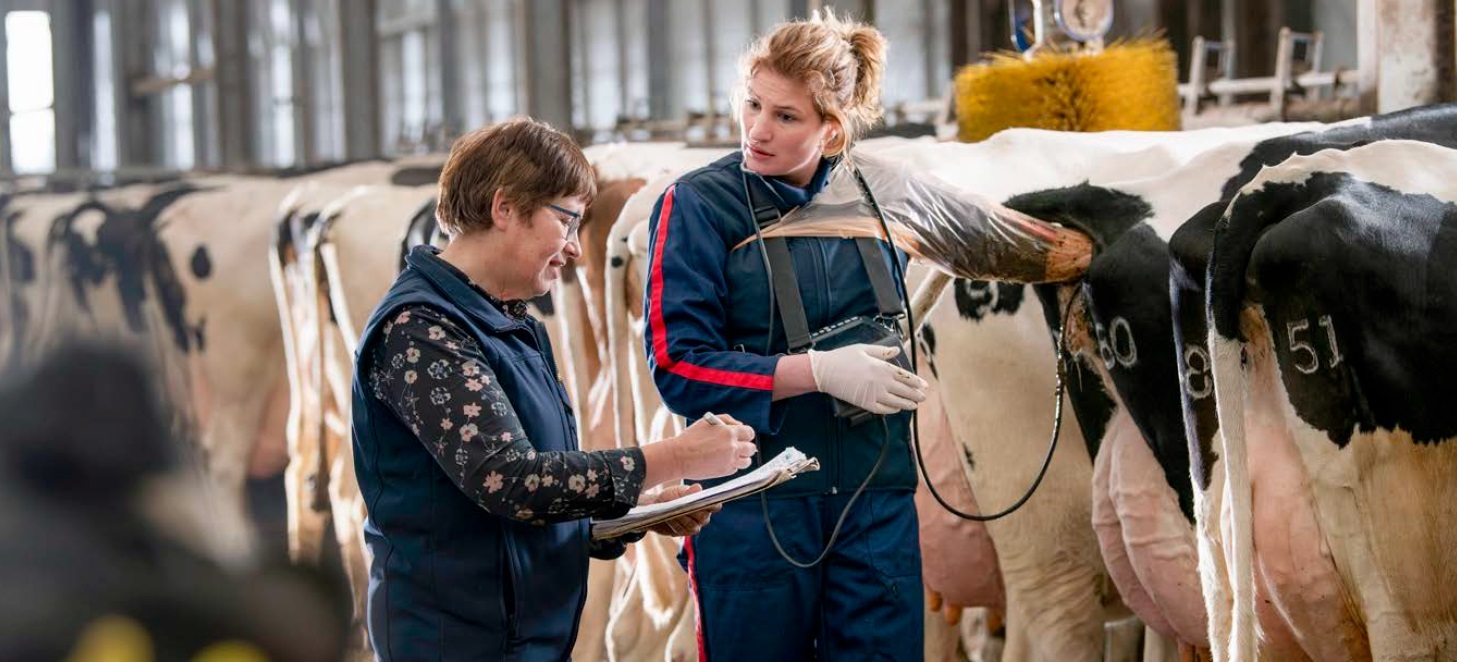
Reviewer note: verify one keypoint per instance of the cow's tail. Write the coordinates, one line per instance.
(333, 328)
(1230, 389)
(329, 277)
(283, 270)
(619, 337)
(1235, 236)
(576, 330)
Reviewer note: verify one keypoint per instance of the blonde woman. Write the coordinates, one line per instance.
(809, 89)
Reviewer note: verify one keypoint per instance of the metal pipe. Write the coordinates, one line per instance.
(1268, 83)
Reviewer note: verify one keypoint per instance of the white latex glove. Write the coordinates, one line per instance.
(862, 375)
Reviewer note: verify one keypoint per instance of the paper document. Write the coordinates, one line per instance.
(783, 467)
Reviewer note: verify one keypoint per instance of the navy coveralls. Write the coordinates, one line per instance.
(450, 581)
(707, 307)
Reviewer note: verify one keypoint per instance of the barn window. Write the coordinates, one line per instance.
(31, 91)
(103, 146)
(278, 99)
(410, 80)
(323, 109)
(171, 57)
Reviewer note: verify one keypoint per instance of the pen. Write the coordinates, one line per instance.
(712, 419)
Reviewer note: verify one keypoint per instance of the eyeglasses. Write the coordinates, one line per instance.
(572, 220)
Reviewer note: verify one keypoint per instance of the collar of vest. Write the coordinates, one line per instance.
(787, 196)
(426, 261)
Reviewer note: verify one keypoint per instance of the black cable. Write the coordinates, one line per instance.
(845, 512)
(915, 415)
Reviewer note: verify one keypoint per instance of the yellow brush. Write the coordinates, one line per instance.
(1130, 85)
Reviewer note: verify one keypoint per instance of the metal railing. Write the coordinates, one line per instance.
(1298, 74)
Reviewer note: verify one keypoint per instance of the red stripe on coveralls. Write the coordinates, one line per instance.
(660, 329)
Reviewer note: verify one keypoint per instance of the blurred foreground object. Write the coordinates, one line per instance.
(99, 553)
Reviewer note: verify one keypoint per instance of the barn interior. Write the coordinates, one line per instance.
(202, 200)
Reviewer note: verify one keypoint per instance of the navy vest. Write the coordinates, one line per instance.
(450, 581)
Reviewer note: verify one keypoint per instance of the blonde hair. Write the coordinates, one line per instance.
(528, 161)
(841, 61)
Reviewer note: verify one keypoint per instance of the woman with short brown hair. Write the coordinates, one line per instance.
(465, 445)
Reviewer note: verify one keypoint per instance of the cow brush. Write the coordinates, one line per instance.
(1130, 85)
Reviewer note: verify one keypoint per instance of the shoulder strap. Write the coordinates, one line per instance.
(781, 273)
(887, 299)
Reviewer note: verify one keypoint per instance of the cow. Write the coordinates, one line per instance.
(1330, 337)
(107, 266)
(1137, 399)
(357, 235)
(319, 479)
(26, 222)
(1157, 559)
(66, 255)
(1124, 381)
(1122, 299)
(177, 269)
(1191, 247)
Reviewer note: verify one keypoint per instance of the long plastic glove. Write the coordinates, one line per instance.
(863, 376)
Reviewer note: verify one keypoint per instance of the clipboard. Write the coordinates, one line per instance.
(783, 468)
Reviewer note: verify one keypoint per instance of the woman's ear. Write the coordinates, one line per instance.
(500, 208)
(834, 138)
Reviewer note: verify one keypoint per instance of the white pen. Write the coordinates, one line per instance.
(712, 419)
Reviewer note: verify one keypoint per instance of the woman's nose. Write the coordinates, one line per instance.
(759, 135)
(573, 247)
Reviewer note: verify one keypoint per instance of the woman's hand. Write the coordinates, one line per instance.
(683, 525)
(703, 451)
(863, 375)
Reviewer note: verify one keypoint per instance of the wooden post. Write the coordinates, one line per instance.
(73, 82)
(300, 61)
(1400, 53)
(1256, 36)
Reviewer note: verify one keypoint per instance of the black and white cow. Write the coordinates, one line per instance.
(1133, 417)
(179, 272)
(1293, 555)
(64, 253)
(1327, 277)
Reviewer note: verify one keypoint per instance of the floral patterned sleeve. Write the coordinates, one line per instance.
(433, 376)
